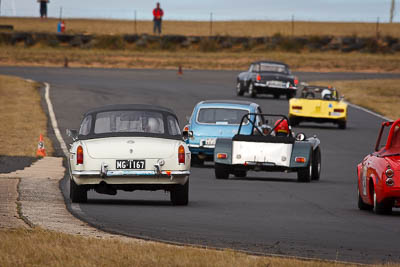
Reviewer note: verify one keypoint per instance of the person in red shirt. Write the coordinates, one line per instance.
(157, 13)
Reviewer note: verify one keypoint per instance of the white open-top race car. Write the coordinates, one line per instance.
(129, 147)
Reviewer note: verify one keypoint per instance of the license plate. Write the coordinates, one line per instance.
(208, 142)
(336, 114)
(130, 164)
(276, 84)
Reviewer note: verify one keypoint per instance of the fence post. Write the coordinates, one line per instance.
(292, 25)
(377, 28)
(211, 21)
(60, 12)
(135, 23)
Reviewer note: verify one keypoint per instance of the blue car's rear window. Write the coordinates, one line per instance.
(221, 115)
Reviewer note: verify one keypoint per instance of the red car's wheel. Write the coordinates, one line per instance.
(361, 203)
(381, 207)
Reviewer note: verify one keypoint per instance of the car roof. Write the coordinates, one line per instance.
(227, 103)
(269, 61)
(129, 107)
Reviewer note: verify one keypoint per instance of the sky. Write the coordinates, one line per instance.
(307, 10)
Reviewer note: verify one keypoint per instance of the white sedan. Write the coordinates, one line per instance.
(129, 147)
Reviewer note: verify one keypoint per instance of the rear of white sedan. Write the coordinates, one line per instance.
(129, 147)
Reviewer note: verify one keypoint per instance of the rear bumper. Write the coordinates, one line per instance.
(130, 177)
(206, 150)
(317, 119)
(262, 88)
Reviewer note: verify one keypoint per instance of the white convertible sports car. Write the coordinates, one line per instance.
(129, 147)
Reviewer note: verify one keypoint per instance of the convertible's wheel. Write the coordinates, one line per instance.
(239, 89)
(277, 96)
(180, 194)
(361, 204)
(294, 121)
(342, 125)
(240, 173)
(383, 207)
(289, 96)
(316, 164)
(304, 174)
(252, 90)
(77, 193)
(221, 171)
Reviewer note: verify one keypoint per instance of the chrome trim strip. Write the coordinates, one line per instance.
(131, 173)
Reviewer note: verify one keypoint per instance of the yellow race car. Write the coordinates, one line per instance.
(318, 104)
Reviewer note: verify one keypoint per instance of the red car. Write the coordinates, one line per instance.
(379, 172)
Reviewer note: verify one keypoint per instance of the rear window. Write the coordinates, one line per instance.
(269, 67)
(129, 121)
(221, 115)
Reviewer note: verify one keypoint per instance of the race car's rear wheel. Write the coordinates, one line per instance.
(77, 193)
(180, 194)
(342, 125)
(383, 207)
(252, 90)
(221, 171)
(294, 121)
(240, 173)
(239, 89)
(316, 164)
(304, 174)
(289, 96)
(361, 204)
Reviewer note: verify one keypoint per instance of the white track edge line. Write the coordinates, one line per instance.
(368, 111)
(53, 120)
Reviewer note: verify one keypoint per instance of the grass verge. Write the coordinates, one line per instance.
(37, 247)
(202, 28)
(22, 118)
(381, 96)
(158, 59)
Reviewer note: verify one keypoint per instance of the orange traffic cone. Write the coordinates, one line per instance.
(180, 71)
(41, 151)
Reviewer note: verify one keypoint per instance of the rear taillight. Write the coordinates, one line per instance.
(181, 155)
(258, 77)
(222, 156)
(297, 107)
(296, 81)
(340, 110)
(300, 159)
(79, 155)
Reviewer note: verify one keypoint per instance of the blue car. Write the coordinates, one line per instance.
(214, 119)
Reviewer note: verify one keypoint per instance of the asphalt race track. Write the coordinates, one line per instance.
(264, 213)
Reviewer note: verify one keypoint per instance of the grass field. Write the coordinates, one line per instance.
(22, 118)
(381, 96)
(159, 59)
(45, 248)
(201, 28)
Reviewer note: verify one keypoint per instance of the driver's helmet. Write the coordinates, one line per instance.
(281, 127)
(326, 94)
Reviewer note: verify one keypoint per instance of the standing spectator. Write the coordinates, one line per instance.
(43, 8)
(157, 13)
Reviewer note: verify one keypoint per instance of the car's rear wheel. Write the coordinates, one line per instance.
(240, 173)
(239, 89)
(289, 96)
(294, 121)
(180, 194)
(383, 207)
(316, 164)
(221, 171)
(361, 204)
(77, 193)
(342, 125)
(252, 90)
(277, 96)
(196, 161)
(304, 174)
